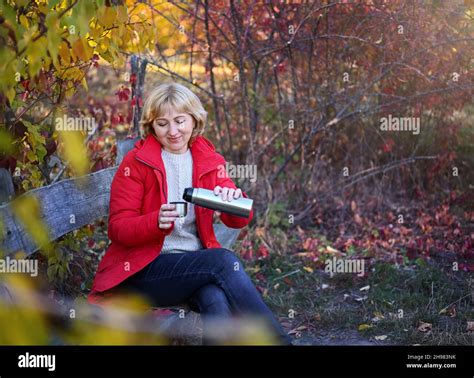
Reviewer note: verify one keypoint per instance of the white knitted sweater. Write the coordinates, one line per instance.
(179, 175)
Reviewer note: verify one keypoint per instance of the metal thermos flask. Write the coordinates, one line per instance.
(240, 207)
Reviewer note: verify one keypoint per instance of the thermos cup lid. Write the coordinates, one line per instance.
(188, 194)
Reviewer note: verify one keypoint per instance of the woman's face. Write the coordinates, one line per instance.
(173, 130)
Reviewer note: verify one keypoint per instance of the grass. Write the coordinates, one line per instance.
(399, 299)
(424, 293)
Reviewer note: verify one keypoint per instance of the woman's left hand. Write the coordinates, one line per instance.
(227, 194)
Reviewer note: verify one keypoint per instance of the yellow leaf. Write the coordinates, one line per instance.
(64, 53)
(73, 73)
(308, 269)
(82, 50)
(47, 63)
(364, 327)
(95, 31)
(26, 323)
(378, 315)
(34, 54)
(108, 17)
(103, 47)
(31, 156)
(27, 209)
(84, 83)
(74, 151)
(54, 41)
(70, 90)
(122, 16)
(10, 92)
(24, 21)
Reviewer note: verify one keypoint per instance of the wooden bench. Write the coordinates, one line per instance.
(86, 199)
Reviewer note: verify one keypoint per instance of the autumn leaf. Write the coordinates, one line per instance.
(262, 252)
(27, 209)
(378, 316)
(364, 327)
(388, 145)
(6, 142)
(452, 311)
(357, 219)
(353, 206)
(134, 101)
(108, 16)
(330, 249)
(260, 232)
(424, 327)
(82, 50)
(75, 151)
(123, 93)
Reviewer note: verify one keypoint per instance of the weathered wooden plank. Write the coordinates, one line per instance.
(226, 236)
(65, 206)
(188, 328)
(123, 146)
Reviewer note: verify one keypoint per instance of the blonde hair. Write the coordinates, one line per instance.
(182, 99)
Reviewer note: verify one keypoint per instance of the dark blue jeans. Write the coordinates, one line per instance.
(211, 281)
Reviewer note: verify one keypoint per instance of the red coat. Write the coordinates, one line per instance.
(138, 190)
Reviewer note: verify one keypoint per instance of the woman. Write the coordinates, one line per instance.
(174, 262)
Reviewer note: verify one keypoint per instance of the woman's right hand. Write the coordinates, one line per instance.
(167, 216)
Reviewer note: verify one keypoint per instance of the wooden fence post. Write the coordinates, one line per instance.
(138, 69)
